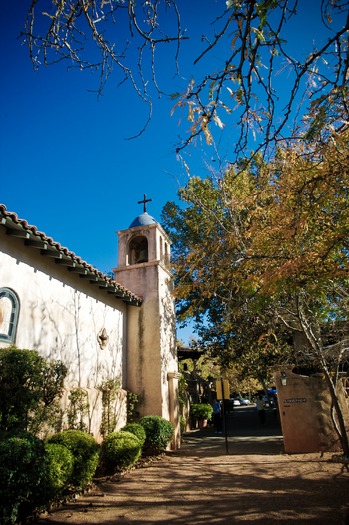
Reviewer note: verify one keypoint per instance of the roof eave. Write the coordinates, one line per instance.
(37, 240)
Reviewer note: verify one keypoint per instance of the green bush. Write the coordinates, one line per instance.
(22, 476)
(159, 433)
(85, 451)
(137, 430)
(201, 410)
(183, 423)
(30, 387)
(60, 465)
(120, 450)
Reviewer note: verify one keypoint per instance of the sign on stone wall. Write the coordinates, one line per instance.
(295, 400)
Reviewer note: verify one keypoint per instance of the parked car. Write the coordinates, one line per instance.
(238, 401)
(266, 401)
(270, 401)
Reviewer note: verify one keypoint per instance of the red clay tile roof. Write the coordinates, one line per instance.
(33, 237)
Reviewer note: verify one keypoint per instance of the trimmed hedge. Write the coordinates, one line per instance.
(60, 465)
(85, 451)
(137, 430)
(120, 450)
(159, 433)
(23, 470)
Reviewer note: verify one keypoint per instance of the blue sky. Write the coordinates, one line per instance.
(65, 165)
(64, 162)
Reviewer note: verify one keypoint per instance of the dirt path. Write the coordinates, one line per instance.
(254, 483)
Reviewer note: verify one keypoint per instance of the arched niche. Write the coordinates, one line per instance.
(138, 250)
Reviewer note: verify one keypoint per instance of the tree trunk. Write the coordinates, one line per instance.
(342, 431)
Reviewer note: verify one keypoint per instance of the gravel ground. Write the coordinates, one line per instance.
(244, 479)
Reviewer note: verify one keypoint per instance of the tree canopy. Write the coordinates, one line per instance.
(265, 234)
(264, 86)
(261, 246)
(261, 257)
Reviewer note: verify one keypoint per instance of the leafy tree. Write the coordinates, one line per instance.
(30, 387)
(262, 254)
(263, 84)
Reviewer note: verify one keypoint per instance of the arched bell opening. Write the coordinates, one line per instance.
(138, 250)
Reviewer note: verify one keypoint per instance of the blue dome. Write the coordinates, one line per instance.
(143, 220)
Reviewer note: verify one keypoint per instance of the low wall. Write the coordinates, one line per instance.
(305, 413)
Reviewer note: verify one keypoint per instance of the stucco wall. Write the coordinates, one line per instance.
(151, 336)
(167, 338)
(61, 316)
(304, 408)
(144, 352)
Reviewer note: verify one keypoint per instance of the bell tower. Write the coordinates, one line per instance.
(151, 361)
(144, 241)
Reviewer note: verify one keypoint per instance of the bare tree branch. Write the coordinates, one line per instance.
(243, 95)
(65, 31)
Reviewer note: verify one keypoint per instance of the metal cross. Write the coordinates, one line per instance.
(144, 201)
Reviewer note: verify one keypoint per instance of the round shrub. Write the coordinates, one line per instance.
(137, 430)
(159, 433)
(85, 451)
(60, 465)
(22, 476)
(201, 410)
(120, 450)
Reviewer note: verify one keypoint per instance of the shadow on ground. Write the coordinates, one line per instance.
(254, 483)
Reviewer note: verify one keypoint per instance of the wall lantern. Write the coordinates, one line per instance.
(283, 378)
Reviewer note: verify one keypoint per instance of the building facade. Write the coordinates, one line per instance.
(103, 329)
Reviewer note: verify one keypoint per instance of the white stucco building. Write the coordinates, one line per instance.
(102, 329)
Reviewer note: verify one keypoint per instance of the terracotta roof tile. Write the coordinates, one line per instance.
(33, 231)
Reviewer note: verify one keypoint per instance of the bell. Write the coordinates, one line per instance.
(142, 256)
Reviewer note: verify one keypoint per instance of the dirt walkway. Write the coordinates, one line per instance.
(255, 482)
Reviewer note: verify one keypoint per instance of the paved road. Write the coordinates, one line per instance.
(245, 434)
(244, 421)
(255, 483)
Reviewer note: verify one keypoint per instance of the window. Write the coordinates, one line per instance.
(138, 250)
(9, 310)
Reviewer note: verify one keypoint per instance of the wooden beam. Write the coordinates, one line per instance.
(133, 302)
(78, 269)
(117, 293)
(34, 243)
(22, 234)
(111, 289)
(66, 262)
(52, 253)
(94, 279)
(91, 276)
